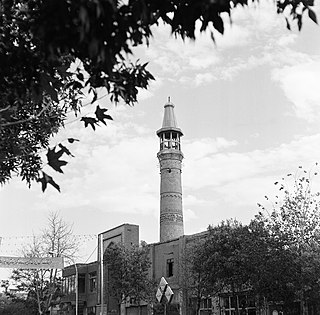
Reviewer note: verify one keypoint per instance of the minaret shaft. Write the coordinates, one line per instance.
(171, 216)
(170, 159)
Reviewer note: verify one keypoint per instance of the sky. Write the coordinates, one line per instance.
(249, 108)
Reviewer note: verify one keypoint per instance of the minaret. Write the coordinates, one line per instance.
(170, 159)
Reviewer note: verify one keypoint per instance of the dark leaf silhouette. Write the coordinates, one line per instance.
(101, 116)
(65, 150)
(95, 96)
(218, 24)
(288, 24)
(312, 16)
(89, 121)
(53, 159)
(45, 180)
(71, 140)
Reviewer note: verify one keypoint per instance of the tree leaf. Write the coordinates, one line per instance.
(299, 18)
(71, 140)
(288, 24)
(89, 121)
(101, 116)
(53, 159)
(65, 150)
(45, 180)
(95, 96)
(312, 16)
(218, 24)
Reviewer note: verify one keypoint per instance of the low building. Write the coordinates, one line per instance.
(86, 276)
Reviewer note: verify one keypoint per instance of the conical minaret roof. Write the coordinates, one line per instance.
(169, 120)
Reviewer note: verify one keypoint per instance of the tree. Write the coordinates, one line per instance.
(191, 279)
(128, 274)
(243, 261)
(294, 223)
(54, 52)
(43, 286)
(276, 258)
(219, 262)
(194, 275)
(16, 306)
(227, 258)
(271, 267)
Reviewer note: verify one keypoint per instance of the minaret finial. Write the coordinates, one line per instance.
(169, 99)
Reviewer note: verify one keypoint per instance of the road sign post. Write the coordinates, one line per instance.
(164, 293)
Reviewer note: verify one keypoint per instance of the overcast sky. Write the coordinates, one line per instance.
(249, 109)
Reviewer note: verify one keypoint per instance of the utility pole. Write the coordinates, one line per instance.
(76, 279)
(101, 274)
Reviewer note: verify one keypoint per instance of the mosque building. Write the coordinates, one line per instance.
(166, 255)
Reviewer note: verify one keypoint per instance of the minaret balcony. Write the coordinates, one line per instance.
(169, 140)
(166, 145)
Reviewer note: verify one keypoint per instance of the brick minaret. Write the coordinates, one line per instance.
(170, 158)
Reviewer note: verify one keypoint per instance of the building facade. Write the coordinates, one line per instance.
(167, 256)
(79, 286)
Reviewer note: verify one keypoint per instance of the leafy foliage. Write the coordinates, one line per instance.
(53, 159)
(89, 121)
(224, 257)
(295, 222)
(45, 180)
(100, 117)
(276, 257)
(270, 266)
(128, 273)
(51, 51)
(220, 262)
(194, 277)
(17, 306)
(38, 286)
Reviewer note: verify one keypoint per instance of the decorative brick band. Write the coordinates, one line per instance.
(171, 217)
(171, 195)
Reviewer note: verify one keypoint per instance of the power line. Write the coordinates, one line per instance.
(67, 123)
(11, 244)
(91, 254)
(4, 239)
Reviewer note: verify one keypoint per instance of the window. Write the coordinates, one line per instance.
(206, 303)
(170, 267)
(244, 303)
(69, 284)
(206, 306)
(72, 284)
(64, 285)
(91, 310)
(92, 281)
